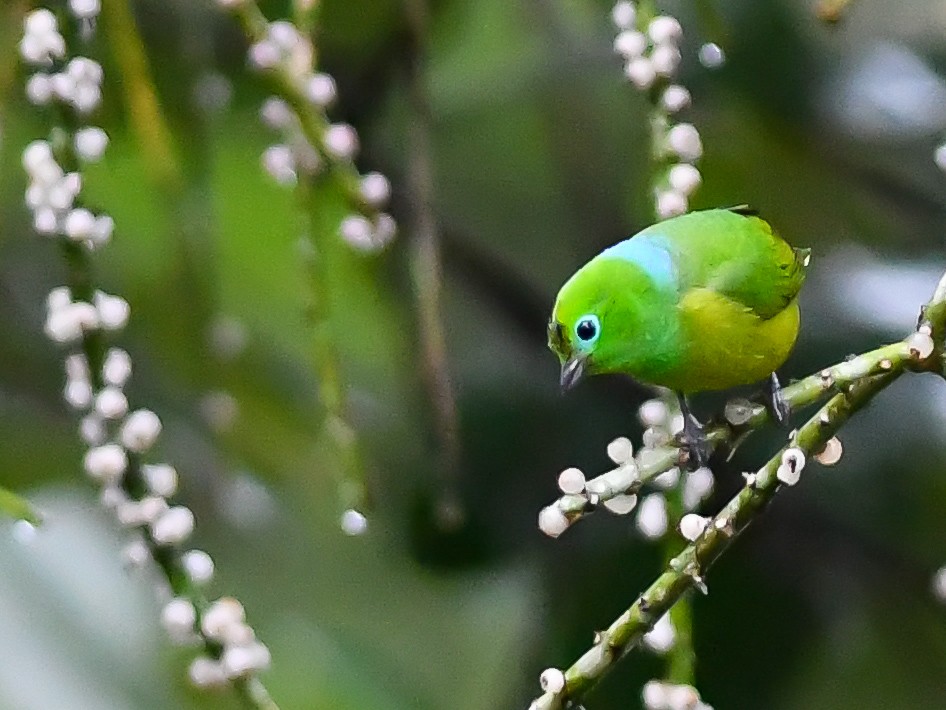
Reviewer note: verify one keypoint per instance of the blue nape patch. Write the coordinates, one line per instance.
(648, 254)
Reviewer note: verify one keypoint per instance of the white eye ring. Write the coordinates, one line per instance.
(587, 329)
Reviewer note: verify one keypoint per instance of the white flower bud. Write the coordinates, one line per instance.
(205, 672)
(320, 90)
(220, 616)
(793, 461)
(341, 141)
(40, 22)
(113, 311)
(198, 565)
(660, 639)
(353, 523)
(92, 430)
(675, 98)
(621, 504)
(136, 554)
(552, 680)
(654, 695)
(684, 140)
(939, 584)
(179, 619)
(571, 481)
(696, 486)
(111, 403)
(161, 479)
(939, 157)
(684, 178)
(664, 30)
(117, 367)
(173, 526)
(140, 430)
(630, 44)
(39, 89)
(90, 143)
(384, 230)
(59, 298)
(665, 58)
(357, 231)
(920, 344)
(104, 226)
(85, 9)
(653, 413)
(652, 516)
(375, 189)
(45, 222)
(264, 55)
(552, 521)
(280, 163)
(79, 224)
(621, 450)
(670, 203)
(692, 526)
(78, 393)
(624, 14)
(37, 159)
(276, 113)
(106, 463)
(641, 72)
(712, 55)
(239, 661)
(668, 479)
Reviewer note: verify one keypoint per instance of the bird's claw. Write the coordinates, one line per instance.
(693, 440)
(776, 401)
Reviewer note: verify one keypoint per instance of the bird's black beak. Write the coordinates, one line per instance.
(572, 371)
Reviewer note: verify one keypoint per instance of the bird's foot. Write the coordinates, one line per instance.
(693, 438)
(776, 402)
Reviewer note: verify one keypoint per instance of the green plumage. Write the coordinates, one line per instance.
(702, 301)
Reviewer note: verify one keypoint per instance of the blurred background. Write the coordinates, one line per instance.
(541, 151)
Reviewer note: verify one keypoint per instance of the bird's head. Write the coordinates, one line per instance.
(609, 317)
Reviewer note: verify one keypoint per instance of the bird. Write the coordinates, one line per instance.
(707, 300)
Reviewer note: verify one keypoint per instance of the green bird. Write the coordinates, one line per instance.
(703, 301)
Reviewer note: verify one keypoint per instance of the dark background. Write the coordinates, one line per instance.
(541, 161)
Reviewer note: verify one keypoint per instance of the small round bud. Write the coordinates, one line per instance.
(939, 584)
(641, 72)
(697, 486)
(90, 143)
(939, 157)
(630, 44)
(106, 463)
(173, 526)
(178, 619)
(320, 90)
(353, 523)
(670, 203)
(571, 481)
(78, 393)
(238, 661)
(621, 504)
(117, 367)
(684, 140)
(140, 430)
(664, 30)
(621, 450)
(552, 521)
(85, 9)
(205, 672)
(660, 639)
(39, 89)
(341, 141)
(280, 163)
(653, 413)
(199, 566)
(357, 230)
(665, 58)
(79, 224)
(220, 616)
(276, 113)
(624, 14)
(112, 311)
(552, 680)
(160, 478)
(684, 178)
(375, 189)
(920, 344)
(692, 526)
(652, 516)
(712, 56)
(111, 403)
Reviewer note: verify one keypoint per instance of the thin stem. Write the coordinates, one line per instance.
(832, 11)
(305, 16)
(426, 266)
(681, 658)
(154, 135)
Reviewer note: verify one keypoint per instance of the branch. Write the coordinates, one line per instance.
(740, 418)
(858, 381)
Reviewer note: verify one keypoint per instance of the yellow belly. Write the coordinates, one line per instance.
(729, 345)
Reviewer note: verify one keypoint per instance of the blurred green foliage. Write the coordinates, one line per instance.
(541, 153)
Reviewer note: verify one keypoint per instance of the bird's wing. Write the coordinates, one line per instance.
(736, 254)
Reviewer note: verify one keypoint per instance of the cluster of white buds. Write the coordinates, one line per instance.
(117, 438)
(224, 622)
(660, 695)
(52, 194)
(318, 145)
(616, 490)
(651, 52)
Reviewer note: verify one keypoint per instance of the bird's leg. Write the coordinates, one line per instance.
(776, 402)
(693, 437)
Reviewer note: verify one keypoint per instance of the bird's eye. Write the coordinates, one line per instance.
(587, 329)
